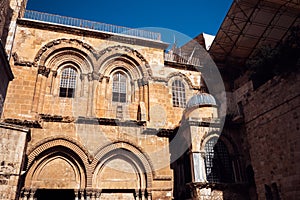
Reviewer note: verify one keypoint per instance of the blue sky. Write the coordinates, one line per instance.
(188, 17)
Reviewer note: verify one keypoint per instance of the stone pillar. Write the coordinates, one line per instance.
(148, 194)
(98, 194)
(76, 193)
(40, 89)
(25, 194)
(143, 195)
(32, 193)
(136, 194)
(198, 166)
(81, 195)
(146, 100)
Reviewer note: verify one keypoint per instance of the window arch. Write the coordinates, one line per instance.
(217, 162)
(119, 90)
(178, 94)
(67, 84)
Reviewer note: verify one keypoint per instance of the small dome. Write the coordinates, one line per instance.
(201, 99)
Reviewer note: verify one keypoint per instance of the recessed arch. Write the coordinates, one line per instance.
(66, 142)
(140, 66)
(139, 161)
(180, 76)
(122, 168)
(63, 56)
(53, 46)
(42, 171)
(231, 147)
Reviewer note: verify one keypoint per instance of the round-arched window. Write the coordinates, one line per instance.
(67, 82)
(119, 90)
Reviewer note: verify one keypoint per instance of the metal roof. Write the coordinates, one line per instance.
(201, 99)
(250, 24)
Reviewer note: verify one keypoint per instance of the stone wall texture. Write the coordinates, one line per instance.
(13, 141)
(272, 129)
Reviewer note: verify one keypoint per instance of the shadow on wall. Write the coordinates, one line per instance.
(5, 29)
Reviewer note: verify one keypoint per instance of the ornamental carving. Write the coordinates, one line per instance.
(19, 62)
(67, 41)
(44, 71)
(126, 49)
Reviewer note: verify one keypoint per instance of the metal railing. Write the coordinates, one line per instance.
(69, 21)
(172, 57)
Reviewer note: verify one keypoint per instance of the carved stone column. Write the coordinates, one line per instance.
(146, 100)
(32, 193)
(149, 194)
(136, 194)
(143, 195)
(81, 195)
(76, 193)
(25, 194)
(98, 194)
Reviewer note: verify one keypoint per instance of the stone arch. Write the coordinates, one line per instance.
(87, 51)
(231, 147)
(140, 66)
(133, 156)
(233, 172)
(181, 76)
(59, 141)
(52, 153)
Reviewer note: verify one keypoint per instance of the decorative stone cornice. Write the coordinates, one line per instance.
(56, 118)
(159, 132)
(24, 123)
(109, 122)
(18, 62)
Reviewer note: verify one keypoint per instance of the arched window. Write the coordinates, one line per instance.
(178, 94)
(119, 87)
(67, 82)
(217, 163)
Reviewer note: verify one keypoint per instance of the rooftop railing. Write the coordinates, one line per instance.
(172, 57)
(69, 21)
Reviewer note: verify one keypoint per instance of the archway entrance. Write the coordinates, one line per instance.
(57, 194)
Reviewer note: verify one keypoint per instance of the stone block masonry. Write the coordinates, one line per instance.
(13, 141)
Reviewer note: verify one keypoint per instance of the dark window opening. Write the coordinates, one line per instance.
(119, 87)
(68, 83)
(178, 94)
(217, 162)
(50, 194)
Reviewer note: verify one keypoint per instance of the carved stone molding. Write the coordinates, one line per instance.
(19, 62)
(143, 81)
(56, 118)
(61, 41)
(44, 71)
(26, 123)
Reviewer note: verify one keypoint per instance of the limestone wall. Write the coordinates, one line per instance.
(13, 142)
(78, 134)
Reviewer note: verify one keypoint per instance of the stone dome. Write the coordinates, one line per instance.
(201, 99)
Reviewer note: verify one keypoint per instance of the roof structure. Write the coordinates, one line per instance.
(250, 24)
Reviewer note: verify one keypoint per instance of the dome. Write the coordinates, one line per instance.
(201, 99)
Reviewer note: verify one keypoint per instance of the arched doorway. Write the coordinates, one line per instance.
(55, 171)
(122, 172)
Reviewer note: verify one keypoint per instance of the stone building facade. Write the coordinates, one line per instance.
(95, 114)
